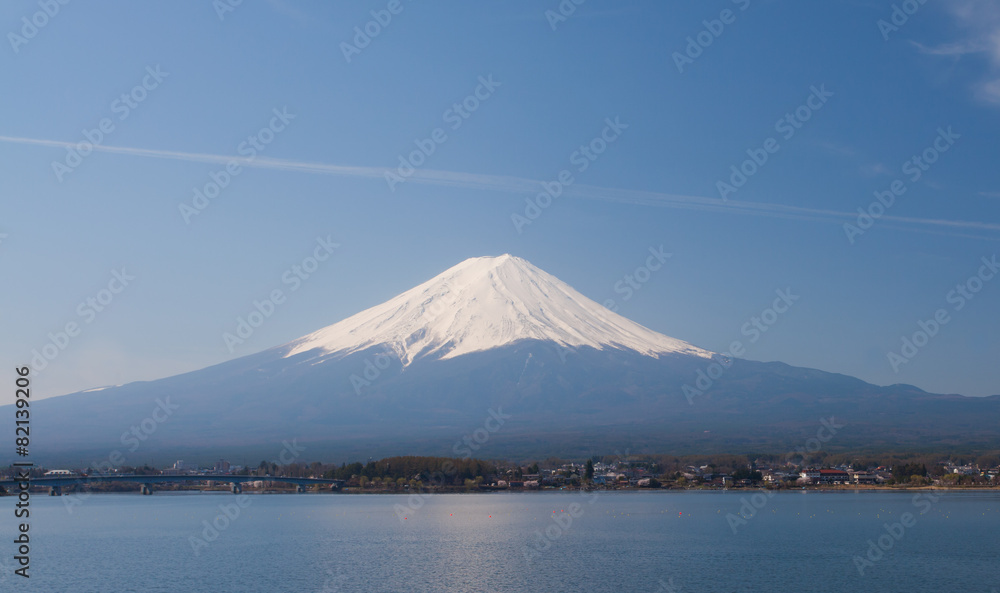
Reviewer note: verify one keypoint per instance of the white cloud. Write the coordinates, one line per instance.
(521, 185)
(979, 22)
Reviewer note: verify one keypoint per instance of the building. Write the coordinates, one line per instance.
(773, 477)
(809, 475)
(863, 478)
(222, 466)
(825, 476)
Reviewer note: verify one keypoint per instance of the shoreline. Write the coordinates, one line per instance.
(873, 489)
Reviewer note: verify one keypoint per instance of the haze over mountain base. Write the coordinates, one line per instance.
(495, 358)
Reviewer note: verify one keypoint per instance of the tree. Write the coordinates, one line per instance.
(589, 471)
(988, 461)
(903, 472)
(745, 473)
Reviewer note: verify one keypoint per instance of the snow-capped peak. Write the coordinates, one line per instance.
(483, 303)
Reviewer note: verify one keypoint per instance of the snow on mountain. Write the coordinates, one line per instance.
(483, 303)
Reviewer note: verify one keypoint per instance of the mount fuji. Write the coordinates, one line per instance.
(485, 303)
(492, 337)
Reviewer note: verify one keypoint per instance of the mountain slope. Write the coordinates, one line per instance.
(421, 371)
(484, 303)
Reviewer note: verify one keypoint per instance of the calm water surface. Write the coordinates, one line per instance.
(618, 542)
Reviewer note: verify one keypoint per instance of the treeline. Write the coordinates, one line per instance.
(439, 470)
(904, 465)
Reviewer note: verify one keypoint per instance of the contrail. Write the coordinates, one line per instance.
(507, 183)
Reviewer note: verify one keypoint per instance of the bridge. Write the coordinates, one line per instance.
(56, 483)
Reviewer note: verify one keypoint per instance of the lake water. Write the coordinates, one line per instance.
(611, 542)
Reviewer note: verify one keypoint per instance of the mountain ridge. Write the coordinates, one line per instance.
(413, 374)
(483, 303)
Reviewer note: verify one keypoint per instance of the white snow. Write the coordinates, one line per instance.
(483, 303)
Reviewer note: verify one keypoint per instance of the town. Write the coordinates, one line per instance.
(410, 473)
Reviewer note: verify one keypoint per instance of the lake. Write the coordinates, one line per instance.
(595, 542)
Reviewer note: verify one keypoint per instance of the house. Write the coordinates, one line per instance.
(833, 476)
(773, 477)
(809, 475)
(825, 476)
(863, 478)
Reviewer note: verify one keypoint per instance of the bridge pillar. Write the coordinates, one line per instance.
(300, 488)
(236, 488)
(146, 489)
(55, 491)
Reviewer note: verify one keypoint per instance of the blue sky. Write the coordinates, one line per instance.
(546, 86)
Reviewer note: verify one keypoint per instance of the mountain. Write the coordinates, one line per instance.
(494, 357)
(481, 304)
